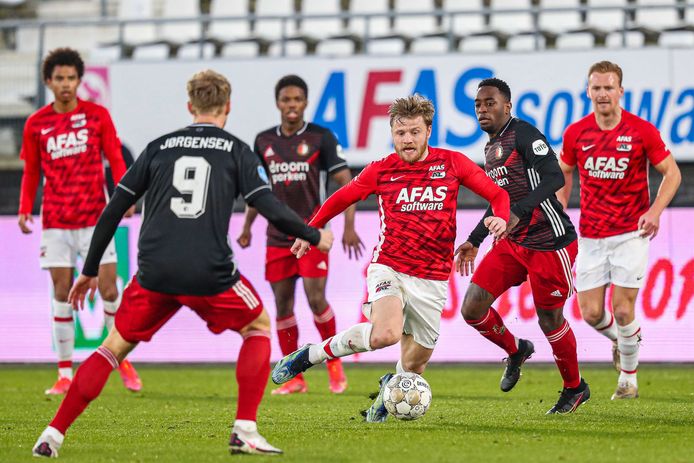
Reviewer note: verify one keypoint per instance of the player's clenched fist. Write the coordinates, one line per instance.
(326, 240)
(496, 226)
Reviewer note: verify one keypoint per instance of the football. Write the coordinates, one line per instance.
(407, 396)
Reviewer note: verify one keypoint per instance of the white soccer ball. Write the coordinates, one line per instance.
(407, 396)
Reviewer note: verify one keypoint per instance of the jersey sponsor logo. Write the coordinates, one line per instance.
(67, 144)
(540, 148)
(498, 174)
(47, 130)
(438, 174)
(303, 149)
(624, 139)
(262, 174)
(586, 147)
(269, 152)
(392, 179)
(77, 117)
(437, 167)
(213, 143)
(421, 198)
(606, 167)
(79, 123)
(383, 286)
(624, 147)
(289, 171)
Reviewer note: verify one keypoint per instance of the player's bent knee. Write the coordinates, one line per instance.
(109, 293)
(591, 314)
(384, 338)
(476, 302)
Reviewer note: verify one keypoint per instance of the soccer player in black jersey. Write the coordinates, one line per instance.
(540, 244)
(299, 156)
(191, 178)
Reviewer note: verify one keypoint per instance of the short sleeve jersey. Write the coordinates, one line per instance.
(298, 167)
(191, 178)
(68, 147)
(512, 159)
(613, 171)
(417, 209)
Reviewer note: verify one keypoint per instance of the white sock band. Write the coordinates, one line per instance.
(607, 326)
(351, 341)
(629, 337)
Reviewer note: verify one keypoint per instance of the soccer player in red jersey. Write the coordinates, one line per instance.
(417, 188)
(65, 140)
(299, 156)
(191, 177)
(612, 149)
(539, 245)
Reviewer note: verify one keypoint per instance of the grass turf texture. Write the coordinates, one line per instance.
(184, 413)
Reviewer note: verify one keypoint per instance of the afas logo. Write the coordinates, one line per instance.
(606, 167)
(422, 198)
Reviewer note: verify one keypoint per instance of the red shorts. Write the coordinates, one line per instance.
(143, 312)
(509, 264)
(281, 264)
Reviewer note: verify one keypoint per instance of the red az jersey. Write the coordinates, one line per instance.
(613, 171)
(417, 207)
(67, 148)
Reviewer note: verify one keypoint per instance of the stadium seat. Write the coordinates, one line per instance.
(576, 40)
(133, 34)
(273, 29)
(682, 38)
(172, 35)
(241, 49)
(511, 23)
(320, 28)
(464, 24)
(558, 22)
(387, 46)
(228, 30)
(191, 50)
(479, 44)
(416, 25)
(616, 39)
(657, 18)
(606, 20)
(526, 42)
(337, 47)
(432, 45)
(377, 25)
(292, 48)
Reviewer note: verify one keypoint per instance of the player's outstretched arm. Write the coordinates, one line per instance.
(79, 290)
(282, 217)
(105, 229)
(301, 247)
(245, 237)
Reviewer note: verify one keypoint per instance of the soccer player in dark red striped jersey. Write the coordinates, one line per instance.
(299, 157)
(191, 178)
(539, 245)
(417, 188)
(65, 139)
(612, 149)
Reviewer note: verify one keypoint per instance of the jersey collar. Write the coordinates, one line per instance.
(303, 128)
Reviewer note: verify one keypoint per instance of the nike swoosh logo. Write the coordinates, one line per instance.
(392, 179)
(45, 131)
(586, 148)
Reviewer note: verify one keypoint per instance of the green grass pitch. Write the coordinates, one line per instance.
(184, 413)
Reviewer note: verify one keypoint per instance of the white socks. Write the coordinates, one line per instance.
(629, 337)
(63, 336)
(246, 425)
(607, 326)
(110, 309)
(351, 341)
(399, 368)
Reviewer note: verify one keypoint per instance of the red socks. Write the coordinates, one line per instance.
(492, 327)
(252, 371)
(325, 323)
(86, 386)
(563, 344)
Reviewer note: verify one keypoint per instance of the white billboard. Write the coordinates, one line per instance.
(351, 95)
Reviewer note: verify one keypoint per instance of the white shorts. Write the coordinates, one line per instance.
(422, 300)
(60, 247)
(621, 260)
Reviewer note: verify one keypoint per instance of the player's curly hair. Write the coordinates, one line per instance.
(208, 92)
(603, 67)
(411, 107)
(290, 80)
(499, 84)
(62, 57)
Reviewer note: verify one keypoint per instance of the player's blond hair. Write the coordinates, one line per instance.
(410, 107)
(208, 92)
(603, 67)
